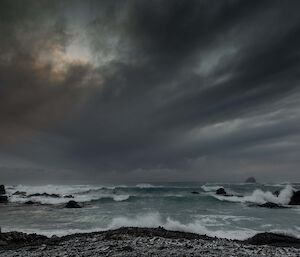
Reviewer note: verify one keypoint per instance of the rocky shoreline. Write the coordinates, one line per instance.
(132, 241)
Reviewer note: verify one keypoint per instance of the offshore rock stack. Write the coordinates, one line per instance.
(3, 197)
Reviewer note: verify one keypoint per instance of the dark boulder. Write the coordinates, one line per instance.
(271, 205)
(68, 196)
(3, 199)
(2, 190)
(251, 180)
(273, 239)
(195, 192)
(295, 199)
(45, 195)
(221, 191)
(276, 193)
(29, 203)
(72, 204)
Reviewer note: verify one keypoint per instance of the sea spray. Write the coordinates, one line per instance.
(152, 220)
(259, 196)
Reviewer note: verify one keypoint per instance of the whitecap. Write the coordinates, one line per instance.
(155, 220)
(260, 197)
(208, 188)
(144, 185)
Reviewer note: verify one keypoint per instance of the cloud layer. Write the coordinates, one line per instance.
(122, 91)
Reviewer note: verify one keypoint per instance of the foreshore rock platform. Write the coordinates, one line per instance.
(132, 241)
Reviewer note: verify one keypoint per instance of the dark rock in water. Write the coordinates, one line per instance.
(45, 195)
(273, 239)
(2, 190)
(221, 191)
(20, 193)
(3, 199)
(251, 180)
(68, 196)
(276, 193)
(271, 205)
(295, 199)
(29, 202)
(195, 193)
(72, 204)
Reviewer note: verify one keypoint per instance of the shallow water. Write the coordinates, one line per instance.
(170, 205)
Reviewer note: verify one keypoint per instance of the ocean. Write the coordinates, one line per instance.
(171, 205)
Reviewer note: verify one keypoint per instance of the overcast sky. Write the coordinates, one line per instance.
(149, 91)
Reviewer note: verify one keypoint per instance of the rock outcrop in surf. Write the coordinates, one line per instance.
(72, 204)
(3, 197)
(250, 180)
(295, 199)
(44, 195)
(2, 190)
(273, 239)
(271, 205)
(221, 191)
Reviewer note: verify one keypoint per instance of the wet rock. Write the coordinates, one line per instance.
(2, 190)
(271, 205)
(45, 195)
(21, 193)
(295, 199)
(3, 199)
(276, 193)
(72, 204)
(195, 192)
(29, 202)
(251, 180)
(273, 239)
(68, 196)
(221, 191)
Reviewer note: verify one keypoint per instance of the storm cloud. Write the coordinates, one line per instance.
(135, 91)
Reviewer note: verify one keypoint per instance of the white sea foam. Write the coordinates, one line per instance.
(53, 189)
(80, 193)
(120, 198)
(208, 188)
(61, 200)
(144, 185)
(221, 220)
(155, 220)
(260, 197)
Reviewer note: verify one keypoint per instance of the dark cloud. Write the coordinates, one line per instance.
(148, 90)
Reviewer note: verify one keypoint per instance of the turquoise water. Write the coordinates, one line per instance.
(172, 206)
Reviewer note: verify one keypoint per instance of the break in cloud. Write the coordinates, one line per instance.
(127, 91)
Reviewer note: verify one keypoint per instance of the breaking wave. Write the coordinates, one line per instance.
(259, 196)
(202, 226)
(144, 185)
(77, 198)
(155, 219)
(208, 188)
